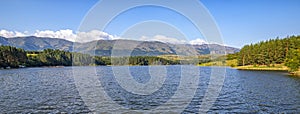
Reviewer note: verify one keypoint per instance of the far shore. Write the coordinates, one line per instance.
(297, 73)
(283, 68)
(264, 68)
(275, 67)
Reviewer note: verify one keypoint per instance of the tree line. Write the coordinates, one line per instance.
(12, 57)
(275, 51)
(15, 57)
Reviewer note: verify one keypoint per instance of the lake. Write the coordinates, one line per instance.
(134, 89)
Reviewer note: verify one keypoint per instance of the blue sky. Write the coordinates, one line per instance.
(240, 21)
(31, 15)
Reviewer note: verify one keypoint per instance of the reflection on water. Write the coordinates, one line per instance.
(52, 90)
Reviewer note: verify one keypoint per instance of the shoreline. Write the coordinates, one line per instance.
(282, 68)
(273, 67)
(296, 74)
(261, 68)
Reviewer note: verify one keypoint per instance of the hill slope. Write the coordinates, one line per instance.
(116, 47)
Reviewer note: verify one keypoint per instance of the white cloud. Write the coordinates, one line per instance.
(63, 34)
(165, 39)
(198, 41)
(93, 35)
(10, 34)
(66, 34)
(20, 34)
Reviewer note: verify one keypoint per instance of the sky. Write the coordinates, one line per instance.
(240, 21)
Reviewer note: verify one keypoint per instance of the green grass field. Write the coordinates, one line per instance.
(231, 63)
(276, 67)
(31, 55)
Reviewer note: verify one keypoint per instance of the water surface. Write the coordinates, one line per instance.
(53, 90)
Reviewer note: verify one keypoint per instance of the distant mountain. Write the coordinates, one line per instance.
(3, 41)
(36, 44)
(116, 47)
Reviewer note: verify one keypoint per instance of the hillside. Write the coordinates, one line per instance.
(272, 52)
(37, 44)
(116, 47)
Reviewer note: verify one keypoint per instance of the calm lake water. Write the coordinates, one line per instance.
(55, 90)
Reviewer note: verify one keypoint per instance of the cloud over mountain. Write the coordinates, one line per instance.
(11, 34)
(63, 34)
(92, 35)
(66, 34)
(198, 41)
(164, 39)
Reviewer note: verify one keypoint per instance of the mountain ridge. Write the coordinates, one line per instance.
(119, 47)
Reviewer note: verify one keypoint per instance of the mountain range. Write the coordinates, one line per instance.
(120, 47)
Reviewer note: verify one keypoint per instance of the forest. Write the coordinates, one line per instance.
(271, 52)
(11, 57)
(283, 51)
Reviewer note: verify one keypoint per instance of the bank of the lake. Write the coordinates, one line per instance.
(297, 73)
(278, 67)
(263, 68)
(233, 64)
